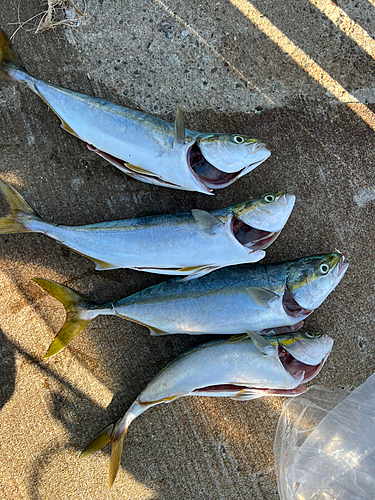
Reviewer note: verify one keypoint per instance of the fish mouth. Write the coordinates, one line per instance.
(292, 308)
(210, 176)
(300, 371)
(251, 237)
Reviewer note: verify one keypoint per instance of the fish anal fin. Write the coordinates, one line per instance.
(68, 128)
(100, 265)
(261, 296)
(248, 394)
(207, 222)
(156, 331)
(179, 128)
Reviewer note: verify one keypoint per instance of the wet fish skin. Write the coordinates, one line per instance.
(144, 147)
(217, 369)
(229, 301)
(185, 244)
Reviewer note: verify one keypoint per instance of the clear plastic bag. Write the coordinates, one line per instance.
(325, 445)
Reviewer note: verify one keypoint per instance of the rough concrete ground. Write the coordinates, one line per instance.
(227, 75)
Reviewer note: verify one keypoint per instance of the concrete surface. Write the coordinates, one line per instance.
(227, 75)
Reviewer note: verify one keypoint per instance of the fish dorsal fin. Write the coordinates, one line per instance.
(260, 342)
(207, 222)
(261, 296)
(179, 128)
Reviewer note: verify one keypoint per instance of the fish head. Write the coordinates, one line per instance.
(258, 221)
(304, 354)
(220, 159)
(310, 280)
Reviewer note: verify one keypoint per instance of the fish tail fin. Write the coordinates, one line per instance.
(20, 212)
(9, 58)
(75, 305)
(114, 435)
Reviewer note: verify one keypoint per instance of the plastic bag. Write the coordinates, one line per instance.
(325, 445)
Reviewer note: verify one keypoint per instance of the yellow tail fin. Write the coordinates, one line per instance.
(115, 435)
(75, 305)
(8, 57)
(20, 211)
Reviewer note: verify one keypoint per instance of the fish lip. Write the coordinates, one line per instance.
(232, 177)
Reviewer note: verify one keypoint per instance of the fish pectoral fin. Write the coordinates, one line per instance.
(261, 296)
(197, 273)
(179, 128)
(207, 222)
(248, 394)
(156, 331)
(260, 343)
(237, 338)
(138, 170)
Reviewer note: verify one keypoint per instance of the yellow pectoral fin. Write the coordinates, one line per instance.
(138, 170)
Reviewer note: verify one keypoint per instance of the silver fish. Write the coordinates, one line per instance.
(191, 243)
(232, 300)
(144, 147)
(235, 369)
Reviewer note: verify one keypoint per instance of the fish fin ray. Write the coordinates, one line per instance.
(20, 211)
(207, 222)
(74, 304)
(179, 128)
(261, 296)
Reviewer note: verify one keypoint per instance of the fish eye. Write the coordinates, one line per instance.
(309, 335)
(269, 198)
(238, 139)
(324, 268)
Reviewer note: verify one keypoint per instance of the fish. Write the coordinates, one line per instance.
(140, 145)
(187, 244)
(232, 300)
(223, 368)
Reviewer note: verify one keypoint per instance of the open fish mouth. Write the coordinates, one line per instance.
(210, 176)
(251, 237)
(297, 369)
(292, 308)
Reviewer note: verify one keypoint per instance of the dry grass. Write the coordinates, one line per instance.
(57, 13)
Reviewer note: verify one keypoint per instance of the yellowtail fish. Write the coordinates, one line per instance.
(146, 148)
(233, 300)
(234, 369)
(186, 244)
